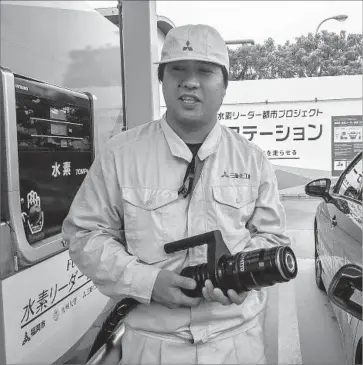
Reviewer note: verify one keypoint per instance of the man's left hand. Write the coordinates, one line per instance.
(212, 294)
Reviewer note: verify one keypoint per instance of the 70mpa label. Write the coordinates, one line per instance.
(81, 171)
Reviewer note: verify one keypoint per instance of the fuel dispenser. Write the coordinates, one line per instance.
(46, 137)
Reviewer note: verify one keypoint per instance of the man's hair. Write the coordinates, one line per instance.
(161, 68)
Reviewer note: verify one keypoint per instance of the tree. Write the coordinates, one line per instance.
(323, 54)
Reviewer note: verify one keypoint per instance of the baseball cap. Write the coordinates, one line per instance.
(197, 42)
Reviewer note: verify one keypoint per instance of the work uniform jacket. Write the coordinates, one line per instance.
(128, 207)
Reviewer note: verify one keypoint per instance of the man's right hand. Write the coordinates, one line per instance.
(167, 290)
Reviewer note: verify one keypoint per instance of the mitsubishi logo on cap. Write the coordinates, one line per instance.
(188, 47)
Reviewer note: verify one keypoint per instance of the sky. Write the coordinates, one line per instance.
(259, 20)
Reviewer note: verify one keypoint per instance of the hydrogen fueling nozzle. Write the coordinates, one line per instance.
(244, 271)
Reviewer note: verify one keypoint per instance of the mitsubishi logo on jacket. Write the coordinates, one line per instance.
(237, 175)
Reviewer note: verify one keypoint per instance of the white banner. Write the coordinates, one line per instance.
(296, 135)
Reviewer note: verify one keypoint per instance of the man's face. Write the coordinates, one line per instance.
(193, 92)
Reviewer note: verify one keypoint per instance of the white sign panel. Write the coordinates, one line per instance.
(47, 309)
(290, 134)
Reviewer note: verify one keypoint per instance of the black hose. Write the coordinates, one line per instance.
(118, 313)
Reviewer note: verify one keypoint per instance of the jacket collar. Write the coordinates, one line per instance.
(179, 149)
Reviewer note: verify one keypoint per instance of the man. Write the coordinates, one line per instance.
(177, 177)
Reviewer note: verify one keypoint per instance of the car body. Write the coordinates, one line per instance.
(338, 242)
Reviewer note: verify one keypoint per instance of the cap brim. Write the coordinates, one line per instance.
(186, 58)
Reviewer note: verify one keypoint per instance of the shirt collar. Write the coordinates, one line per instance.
(179, 149)
(211, 143)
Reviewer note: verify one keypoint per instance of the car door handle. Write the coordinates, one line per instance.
(334, 221)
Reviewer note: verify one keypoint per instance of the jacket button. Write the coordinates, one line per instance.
(238, 200)
(148, 202)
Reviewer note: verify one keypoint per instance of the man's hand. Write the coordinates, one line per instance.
(212, 294)
(167, 290)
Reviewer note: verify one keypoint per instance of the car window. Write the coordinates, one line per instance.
(351, 182)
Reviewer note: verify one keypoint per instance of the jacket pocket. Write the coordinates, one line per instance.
(233, 207)
(149, 216)
(233, 198)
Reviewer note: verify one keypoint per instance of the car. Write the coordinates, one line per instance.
(338, 242)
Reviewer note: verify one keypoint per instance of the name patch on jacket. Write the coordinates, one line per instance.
(237, 175)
